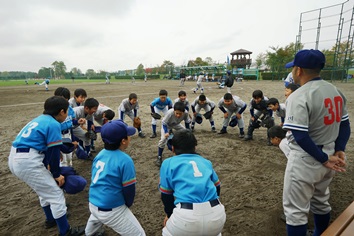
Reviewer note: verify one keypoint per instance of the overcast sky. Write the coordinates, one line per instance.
(113, 35)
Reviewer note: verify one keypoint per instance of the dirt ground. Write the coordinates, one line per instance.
(251, 172)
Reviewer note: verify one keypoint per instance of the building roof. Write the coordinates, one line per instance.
(241, 51)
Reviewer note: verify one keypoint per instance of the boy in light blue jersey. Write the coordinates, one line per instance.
(43, 135)
(158, 105)
(112, 188)
(190, 190)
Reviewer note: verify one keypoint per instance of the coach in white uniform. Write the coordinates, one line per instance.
(317, 117)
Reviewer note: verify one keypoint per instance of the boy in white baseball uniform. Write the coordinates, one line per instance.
(43, 134)
(85, 114)
(229, 105)
(79, 98)
(199, 83)
(202, 102)
(317, 117)
(171, 121)
(129, 107)
(278, 108)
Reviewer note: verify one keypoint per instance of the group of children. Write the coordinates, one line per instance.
(75, 118)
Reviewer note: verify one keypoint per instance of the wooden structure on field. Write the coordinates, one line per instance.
(241, 59)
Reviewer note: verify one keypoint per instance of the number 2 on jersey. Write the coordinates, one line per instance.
(100, 166)
(334, 110)
(196, 173)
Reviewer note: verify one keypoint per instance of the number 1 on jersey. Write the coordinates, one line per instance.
(196, 173)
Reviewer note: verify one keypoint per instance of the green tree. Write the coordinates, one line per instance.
(59, 69)
(90, 72)
(45, 72)
(260, 60)
(140, 69)
(339, 57)
(75, 71)
(209, 61)
(277, 59)
(167, 67)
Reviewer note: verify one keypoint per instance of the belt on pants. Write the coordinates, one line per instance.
(104, 209)
(189, 206)
(26, 150)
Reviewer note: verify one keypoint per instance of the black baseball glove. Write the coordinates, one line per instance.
(91, 135)
(155, 115)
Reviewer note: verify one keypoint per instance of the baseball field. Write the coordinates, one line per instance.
(251, 172)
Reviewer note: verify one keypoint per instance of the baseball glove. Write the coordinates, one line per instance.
(208, 114)
(137, 122)
(156, 116)
(91, 135)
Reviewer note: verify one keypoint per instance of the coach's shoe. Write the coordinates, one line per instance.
(248, 137)
(213, 129)
(76, 231)
(222, 131)
(141, 135)
(158, 162)
(153, 135)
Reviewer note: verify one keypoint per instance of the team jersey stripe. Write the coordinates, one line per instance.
(129, 182)
(217, 183)
(165, 190)
(295, 127)
(346, 117)
(51, 144)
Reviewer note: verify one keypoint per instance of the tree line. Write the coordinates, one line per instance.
(272, 60)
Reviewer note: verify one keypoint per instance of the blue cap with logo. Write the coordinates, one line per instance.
(308, 59)
(116, 130)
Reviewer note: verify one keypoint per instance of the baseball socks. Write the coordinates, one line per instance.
(321, 222)
(50, 221)
(153, 132)
(242, 133)
(296, 230)
(212, 126)
(159, 158)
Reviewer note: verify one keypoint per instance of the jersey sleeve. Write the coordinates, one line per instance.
(296, 114)
(165, 183)
(129, 176)
(54, 134)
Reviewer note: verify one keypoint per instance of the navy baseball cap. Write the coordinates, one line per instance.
(308, 59)
(116, 130)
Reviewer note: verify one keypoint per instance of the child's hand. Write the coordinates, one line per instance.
(81, 121)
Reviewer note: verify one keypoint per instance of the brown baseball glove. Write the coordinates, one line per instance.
(137, 122)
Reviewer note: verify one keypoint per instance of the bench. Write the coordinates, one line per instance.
(343, 225)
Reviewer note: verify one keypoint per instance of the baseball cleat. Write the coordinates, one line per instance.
(242, 135)
(222, 131)
(153, 135)
(213, 129)
(141, 135)
(158, 162)
(50, 224)
(248, 137)
(76, 231)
